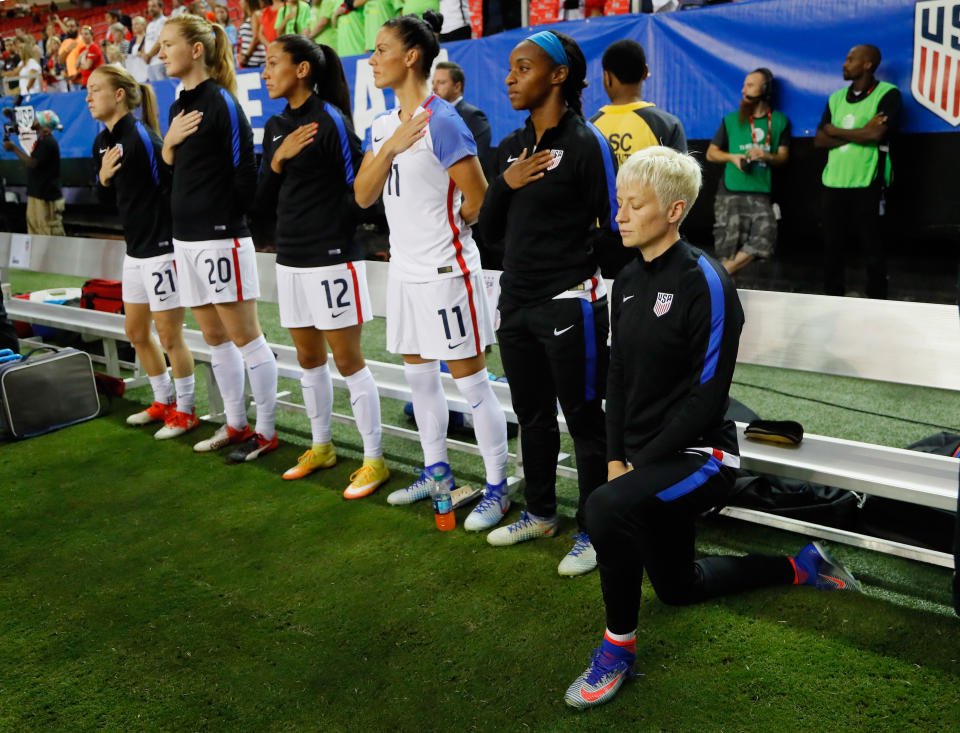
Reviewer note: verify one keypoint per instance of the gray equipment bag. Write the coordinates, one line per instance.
(45, 392)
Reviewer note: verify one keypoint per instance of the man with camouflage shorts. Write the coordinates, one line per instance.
(749, 142)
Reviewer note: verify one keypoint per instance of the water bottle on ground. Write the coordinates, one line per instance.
(442, 503)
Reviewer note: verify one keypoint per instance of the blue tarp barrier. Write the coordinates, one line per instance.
(697, 62)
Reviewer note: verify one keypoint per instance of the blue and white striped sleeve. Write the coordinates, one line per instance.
(452, 139)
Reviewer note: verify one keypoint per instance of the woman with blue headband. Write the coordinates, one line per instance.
(553, 204)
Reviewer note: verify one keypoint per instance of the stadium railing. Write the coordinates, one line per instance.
(908, 343)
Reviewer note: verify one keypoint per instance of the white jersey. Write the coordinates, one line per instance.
(429, 240)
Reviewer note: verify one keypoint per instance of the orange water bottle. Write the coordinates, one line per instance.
(442, 503)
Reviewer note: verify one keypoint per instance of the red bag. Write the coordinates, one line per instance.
(103, 295)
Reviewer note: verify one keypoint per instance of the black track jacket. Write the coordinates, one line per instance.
(214, 170)
(675, 326)
(556, 230)
(313, 197)
(141, 186)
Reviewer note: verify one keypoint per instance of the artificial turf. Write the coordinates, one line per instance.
(143, 587)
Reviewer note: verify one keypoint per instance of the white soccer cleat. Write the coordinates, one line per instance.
(581, 559)
(525, 528)
(157, 412)
(176, 424)
(224, 436)
(490, 510)
(419, 489)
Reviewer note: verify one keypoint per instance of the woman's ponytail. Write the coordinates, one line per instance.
(220, 62)
(148, 108)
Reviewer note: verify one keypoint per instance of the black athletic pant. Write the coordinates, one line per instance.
(645, 520)
(550, 351)
(852, 215)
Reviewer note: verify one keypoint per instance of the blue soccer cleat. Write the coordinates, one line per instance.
(610, 666)
(816, 567)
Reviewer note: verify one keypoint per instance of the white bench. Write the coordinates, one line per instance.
(912, 343)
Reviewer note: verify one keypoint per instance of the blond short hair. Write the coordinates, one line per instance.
(673, 176)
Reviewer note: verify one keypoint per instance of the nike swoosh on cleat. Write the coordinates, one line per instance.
(596, 694)
(563, 331)
(840, 584)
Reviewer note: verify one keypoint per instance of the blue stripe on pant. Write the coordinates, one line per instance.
(644, 521)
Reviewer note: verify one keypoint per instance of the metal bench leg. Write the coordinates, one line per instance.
(214, 400)
(110, 354)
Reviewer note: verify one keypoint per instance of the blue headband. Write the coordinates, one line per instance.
(552, 45)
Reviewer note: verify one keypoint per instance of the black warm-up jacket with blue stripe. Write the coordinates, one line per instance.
(675, 329)
(558, 229)
(141, 186)
(313, 197)
(214, 169)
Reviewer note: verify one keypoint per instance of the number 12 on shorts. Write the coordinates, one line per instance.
(342, 284)
(446, 321)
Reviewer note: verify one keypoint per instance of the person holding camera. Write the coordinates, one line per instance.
(44, 195)
(749, 142)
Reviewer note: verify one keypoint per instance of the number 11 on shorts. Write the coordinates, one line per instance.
(446, 321)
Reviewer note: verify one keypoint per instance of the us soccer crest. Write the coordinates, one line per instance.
(935, 81)
(664, 301)
(25, 117)
(26, 135)
(558, 154)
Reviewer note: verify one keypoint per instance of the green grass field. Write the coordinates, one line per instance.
(144, 587)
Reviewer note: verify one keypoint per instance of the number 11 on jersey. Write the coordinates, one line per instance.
(393, 180)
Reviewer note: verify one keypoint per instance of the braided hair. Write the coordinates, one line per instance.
(576, 80)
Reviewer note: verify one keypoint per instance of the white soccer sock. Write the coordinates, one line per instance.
(365, 401)
(430, 409)
(162, 388)
(262, 372)
(227, 366)
(489, 424)
(185, 390)
(621, 638)
(318, 399)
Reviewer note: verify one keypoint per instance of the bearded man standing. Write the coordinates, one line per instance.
(749, 143)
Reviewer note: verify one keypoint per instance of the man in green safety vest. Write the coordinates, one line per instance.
(855, 128)
(748, 142)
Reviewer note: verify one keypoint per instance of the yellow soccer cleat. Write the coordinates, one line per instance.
(365, 480)
(320, 456)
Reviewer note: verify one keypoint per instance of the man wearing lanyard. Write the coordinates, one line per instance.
(749, 142)
(855, 128)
